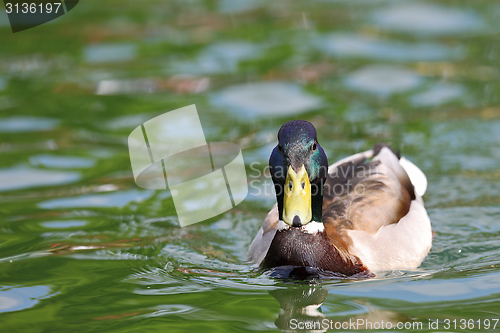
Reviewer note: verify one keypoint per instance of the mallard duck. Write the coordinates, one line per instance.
(363, 214)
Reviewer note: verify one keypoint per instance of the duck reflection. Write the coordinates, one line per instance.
(300, 304)
(301, 310)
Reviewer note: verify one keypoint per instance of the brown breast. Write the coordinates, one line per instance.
(295, 247)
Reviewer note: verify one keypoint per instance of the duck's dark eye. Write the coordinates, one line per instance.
(280, 148)
(290, 186)
(303, 185)
(314, 147)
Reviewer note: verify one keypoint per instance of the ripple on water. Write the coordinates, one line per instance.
(115, 199)
(266, 98)
(63, 224)
(63, 162)
(237, 6)
(467, 238)
(110, 52)
(217, 58)
(162, 310)
(470, 162)
(193, 258)
(350, 45)
(26, 124)
(450, 190)
(20, 298)
(464, 136)
(422, 291)
(428, 19)
(16, 179)
(383, 80)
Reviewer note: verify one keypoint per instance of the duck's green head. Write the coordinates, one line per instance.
(298, 166)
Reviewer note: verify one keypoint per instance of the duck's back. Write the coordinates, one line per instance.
(373, 209)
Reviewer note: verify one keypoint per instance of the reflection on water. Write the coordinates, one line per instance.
(238, 6)
(260, 99)
(101, 53)
(353, 46)
(128, 121)
(26, 124)
(4, 19)
(63, 162)
(64, 224)
(21, 178)
(383, 80)
(422, 291)
(15, 299)
(426, 18)
(115, 87)
(300, 303)
(163, 310)
(438, 94)
(118, 199)
(218, 58)
(311, 308)
(82, 248)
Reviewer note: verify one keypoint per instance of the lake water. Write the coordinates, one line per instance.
(83, 248)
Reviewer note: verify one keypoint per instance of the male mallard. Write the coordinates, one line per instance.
(362, 214)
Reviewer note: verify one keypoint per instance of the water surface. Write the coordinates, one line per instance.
(82, 248)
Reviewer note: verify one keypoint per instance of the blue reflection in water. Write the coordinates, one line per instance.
(267, 99)
(351, 45)
(383, 80)
(425, 291)
(64, 224)
(217, 58)
(238, 6)
(65, 162)
(20, 298)
(438, 94)
(3, 83)
(16, 179)
(116, 199)
(427, 19)
(109, 52)
(26, 124)
(4, 19)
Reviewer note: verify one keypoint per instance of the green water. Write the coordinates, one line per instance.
(82, 248)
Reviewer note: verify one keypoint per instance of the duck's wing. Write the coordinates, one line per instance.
(262, 241)
(374, 210)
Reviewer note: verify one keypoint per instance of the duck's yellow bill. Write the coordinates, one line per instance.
(297, 198)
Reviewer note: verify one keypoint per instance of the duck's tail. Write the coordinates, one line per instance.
(393, 159)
